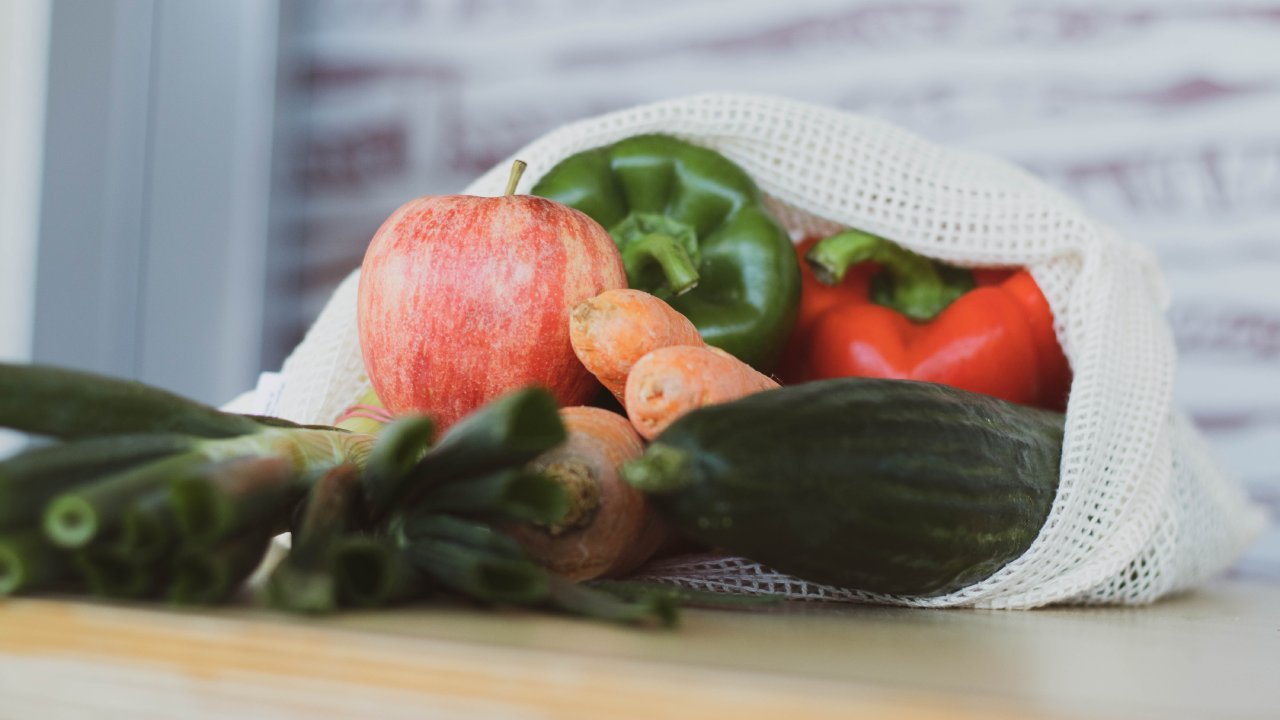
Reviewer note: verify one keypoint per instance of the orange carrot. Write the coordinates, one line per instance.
(610, 528)
(614, 329)
(672, 381)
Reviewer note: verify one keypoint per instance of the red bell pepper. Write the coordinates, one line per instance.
(887, 312)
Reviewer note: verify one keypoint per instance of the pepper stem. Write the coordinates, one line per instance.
(517, 169)
(661, 469)
(665, 252)
(917, 287)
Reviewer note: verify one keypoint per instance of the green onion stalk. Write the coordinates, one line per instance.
(303, 581)
(215, 490)
(153, 495)
(506, 433)
(211, 575)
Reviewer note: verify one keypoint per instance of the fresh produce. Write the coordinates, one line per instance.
(614, 329)
(816, 298)
(28, 482)
(461, 473)
(28, 561)
(505, 434)
(64, 403)
(465, 298)
(214, 575)
(693, 230)
(367, 415)
(889, 486)
(609, 529)
(670, 382)
(618, 327)
(304, 581)
(376, 519)
(915, 319)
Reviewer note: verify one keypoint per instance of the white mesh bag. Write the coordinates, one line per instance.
(1142, 508)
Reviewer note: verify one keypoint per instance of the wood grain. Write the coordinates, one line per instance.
(1208, 654)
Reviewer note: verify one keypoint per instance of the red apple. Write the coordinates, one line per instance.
(464, 298)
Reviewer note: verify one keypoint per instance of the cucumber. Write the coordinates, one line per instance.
(888, 486)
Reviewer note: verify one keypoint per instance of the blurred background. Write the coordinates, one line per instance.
(183, 182)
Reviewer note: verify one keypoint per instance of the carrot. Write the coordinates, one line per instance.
(610, 528)
(672, 381)
(614, 329)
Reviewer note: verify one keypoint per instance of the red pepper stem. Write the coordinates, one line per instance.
(670, 256)
(918, 290)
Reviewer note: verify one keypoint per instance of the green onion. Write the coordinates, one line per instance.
(276, 422)
(298, 589)
(304, 580)
(329, 509)
(210, 576)
(507, 432)
(468, 533)
(28, 562)
(369, 572)
(233, 495)
(511, 430)
(602, 605)
(75, 518)
(399, 447)
(30, 480)
(517, 495)
(480, 575)
(143, 533)
(64, 403)
(111, 577)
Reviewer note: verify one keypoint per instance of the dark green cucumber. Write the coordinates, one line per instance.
(888, 486)
(63, 403)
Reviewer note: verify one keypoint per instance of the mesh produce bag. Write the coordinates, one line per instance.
(1142, 508)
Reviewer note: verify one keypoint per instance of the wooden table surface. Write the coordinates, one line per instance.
(1214, 653)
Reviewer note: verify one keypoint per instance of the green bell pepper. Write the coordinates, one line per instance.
(692, 229)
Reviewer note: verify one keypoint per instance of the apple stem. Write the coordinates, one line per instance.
(517, 169)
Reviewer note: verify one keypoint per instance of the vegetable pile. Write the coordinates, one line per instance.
(150, 495)
(842, 410)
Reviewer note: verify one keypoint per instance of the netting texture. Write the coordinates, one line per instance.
(1142, 509)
